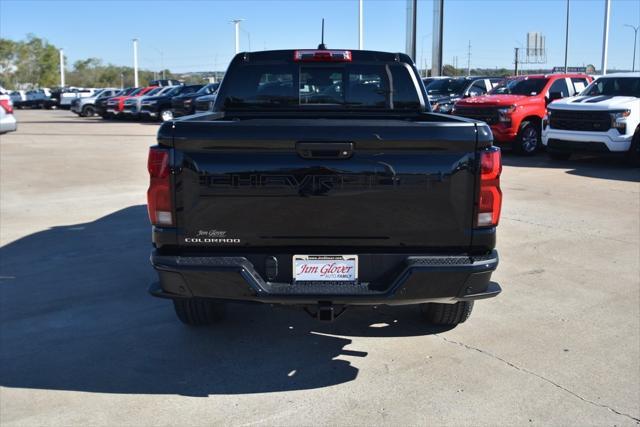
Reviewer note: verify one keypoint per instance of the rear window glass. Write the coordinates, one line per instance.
(291, 85)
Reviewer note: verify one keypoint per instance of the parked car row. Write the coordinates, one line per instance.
(153, 102)
(566, 113)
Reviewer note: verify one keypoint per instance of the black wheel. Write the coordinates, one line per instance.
(195, 311)
(166, 115)
(558, 155)
(447, 314)
(528, 139)
(634, 150)
(88, 111)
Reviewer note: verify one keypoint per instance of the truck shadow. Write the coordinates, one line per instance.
(592, 166)
(76, 316)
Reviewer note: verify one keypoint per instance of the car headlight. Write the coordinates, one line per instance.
(504, 114)
(619, 120)
(444, 108)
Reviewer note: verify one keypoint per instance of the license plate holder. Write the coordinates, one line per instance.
(325, 269)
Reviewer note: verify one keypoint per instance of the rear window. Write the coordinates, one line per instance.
(292, 85)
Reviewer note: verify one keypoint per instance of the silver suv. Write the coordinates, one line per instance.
(86, 107)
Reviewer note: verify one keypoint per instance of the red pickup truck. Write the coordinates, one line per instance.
(515, 109)
(115, 105)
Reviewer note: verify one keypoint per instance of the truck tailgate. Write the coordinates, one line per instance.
(324, 183)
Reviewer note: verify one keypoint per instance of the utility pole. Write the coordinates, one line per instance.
(236, 23)
(135, 63)
(515, 72)
(360, 28)
(121, 80)
(635, 39)
(469, 59)
(162, 63)
(605, 36)
(61, 68)
(438, 25)
(566, 41)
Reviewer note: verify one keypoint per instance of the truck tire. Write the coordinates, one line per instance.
(166, 115)
(558, 155)
(195, 312)
(634, 149)
(528, 139)
(447, 314)
(88, 111)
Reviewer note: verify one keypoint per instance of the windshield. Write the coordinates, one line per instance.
(208, 89)
(136, 91)
(156, 91)
(446, 86)
(174, 90)
(192, 88)
(614, 86)
(344, 85)
(523, 86)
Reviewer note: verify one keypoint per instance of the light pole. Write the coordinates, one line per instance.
(360, 38)
(605, 36)
(236, 23)
(61, 68)
(135, 62)
(438, 37)
(635, 39)
(566, 40)
(412, 26)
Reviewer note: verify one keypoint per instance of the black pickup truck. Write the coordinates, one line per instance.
(159, 107)
(185, 104)
(322, 180)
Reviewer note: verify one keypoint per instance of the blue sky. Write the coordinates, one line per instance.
(196, 35)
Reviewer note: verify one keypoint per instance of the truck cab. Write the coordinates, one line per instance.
(515, 109)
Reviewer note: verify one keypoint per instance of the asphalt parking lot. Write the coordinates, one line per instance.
(82, 343)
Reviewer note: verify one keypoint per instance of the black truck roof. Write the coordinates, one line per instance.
(356, 55)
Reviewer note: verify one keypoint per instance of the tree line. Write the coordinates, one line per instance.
(34, 62)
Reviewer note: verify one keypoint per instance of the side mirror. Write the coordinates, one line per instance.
(555, 95)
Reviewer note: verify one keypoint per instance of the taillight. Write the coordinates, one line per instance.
(322, 55)
(6, 105)
(490, 197)
(159, 202)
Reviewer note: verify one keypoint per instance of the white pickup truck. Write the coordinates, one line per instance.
(604, 118)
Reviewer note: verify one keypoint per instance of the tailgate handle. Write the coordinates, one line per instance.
(324, 150)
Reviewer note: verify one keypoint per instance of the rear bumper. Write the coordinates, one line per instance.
(387, 279)
(8, 123)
